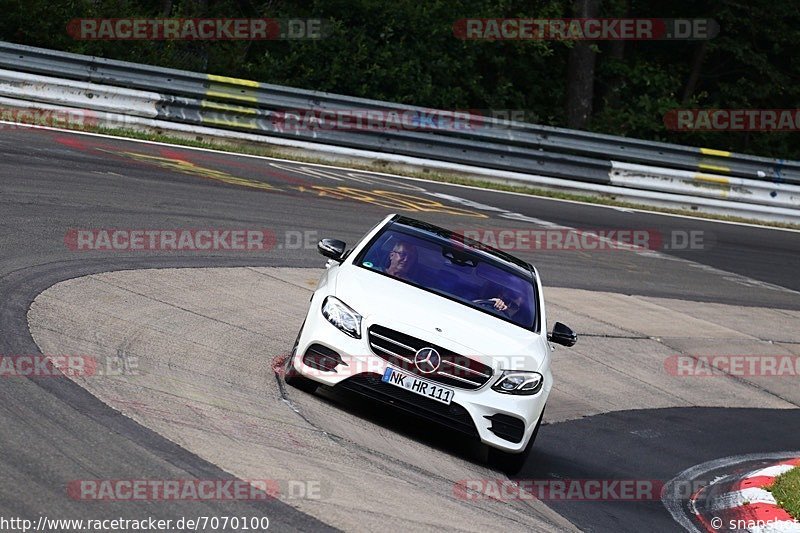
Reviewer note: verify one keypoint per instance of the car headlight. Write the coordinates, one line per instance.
(342, 316)
(519, 382)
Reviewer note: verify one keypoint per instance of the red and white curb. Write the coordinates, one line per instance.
(744, 504)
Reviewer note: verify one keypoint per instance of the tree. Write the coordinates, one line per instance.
(580, 70)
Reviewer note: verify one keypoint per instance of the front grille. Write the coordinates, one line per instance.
(507, 427)
(455, 370)
(322, 358)
(452, 416)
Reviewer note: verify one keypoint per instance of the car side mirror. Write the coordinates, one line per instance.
(563, 335)
(332, 249)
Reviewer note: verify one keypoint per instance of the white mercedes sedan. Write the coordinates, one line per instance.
(438, 325)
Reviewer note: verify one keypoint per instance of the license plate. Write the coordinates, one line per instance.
(417, 386)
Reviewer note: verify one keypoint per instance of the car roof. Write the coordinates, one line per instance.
(443, 234)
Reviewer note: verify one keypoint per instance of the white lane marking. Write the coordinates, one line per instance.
(524, 218)
(386, 174)
(379, 180)
(317, 174)
(468, 203)
(728, 276)
(312, 173)
(674, 504)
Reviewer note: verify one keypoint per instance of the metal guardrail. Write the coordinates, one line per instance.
(175, 96)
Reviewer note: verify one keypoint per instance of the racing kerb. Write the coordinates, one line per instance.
(645, 171)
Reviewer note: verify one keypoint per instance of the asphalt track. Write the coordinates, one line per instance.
(52, 431)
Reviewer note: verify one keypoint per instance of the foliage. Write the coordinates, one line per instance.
(405, 51)
(786, 491)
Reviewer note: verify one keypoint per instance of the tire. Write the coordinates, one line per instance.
(512, 463)
(292, 377)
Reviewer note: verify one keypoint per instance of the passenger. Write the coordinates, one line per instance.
(509, 303)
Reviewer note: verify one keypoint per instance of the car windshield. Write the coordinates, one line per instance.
(449, 268)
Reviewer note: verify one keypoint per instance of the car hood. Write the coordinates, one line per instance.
(391, 303)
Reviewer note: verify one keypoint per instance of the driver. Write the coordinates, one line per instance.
(401, 260)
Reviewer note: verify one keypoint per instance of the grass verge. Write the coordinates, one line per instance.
(786, 491)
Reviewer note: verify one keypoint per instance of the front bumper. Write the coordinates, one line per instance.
(498, 420)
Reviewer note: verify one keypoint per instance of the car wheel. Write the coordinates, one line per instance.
(512, 463)
(293, 377)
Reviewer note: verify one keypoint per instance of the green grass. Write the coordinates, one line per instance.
(786, 491)
(257, 149)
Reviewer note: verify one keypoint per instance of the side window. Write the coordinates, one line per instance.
(375, 257)
(361, 240)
